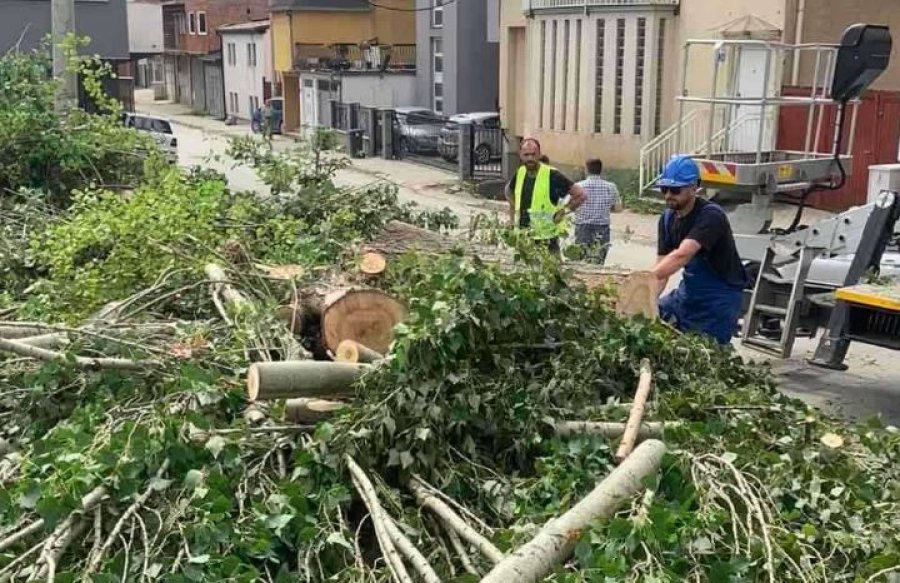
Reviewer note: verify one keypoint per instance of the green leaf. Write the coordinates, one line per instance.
(336, 538)
(215, 445)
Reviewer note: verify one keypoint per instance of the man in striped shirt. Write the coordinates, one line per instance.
(592, 232)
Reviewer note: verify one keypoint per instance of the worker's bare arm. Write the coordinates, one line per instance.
(577, 197)
(668, 265)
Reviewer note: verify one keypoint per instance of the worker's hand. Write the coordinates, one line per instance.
(559, 216)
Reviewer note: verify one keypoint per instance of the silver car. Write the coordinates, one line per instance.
(487, 135)
(417, 130)
(159, 128)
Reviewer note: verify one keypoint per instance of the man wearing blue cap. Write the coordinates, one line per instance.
(695, 234)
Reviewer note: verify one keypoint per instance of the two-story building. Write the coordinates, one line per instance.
(599, 78)
(145, 44)
(458, 55)
(353, 51)
(193, 48)
(247, 66)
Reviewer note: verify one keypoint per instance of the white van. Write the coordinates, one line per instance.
(158, 127)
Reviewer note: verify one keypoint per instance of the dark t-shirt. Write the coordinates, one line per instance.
(710, 228)
(559, 188)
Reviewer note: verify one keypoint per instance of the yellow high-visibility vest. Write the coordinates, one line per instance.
(542, 208)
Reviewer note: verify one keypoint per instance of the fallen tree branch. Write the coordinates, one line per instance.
(203, 435)
(65, 532)
(154, 486)
(461, 551)
(379, 521)
(79, 361)
(412, 554)
(610, 429)
(453, 521)
(554, 543)
(637, 412)
(19, 535)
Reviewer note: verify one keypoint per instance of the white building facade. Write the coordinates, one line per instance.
(246, 66)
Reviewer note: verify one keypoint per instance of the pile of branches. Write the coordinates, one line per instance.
(227, 392)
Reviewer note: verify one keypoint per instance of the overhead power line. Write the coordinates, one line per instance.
(395, 9)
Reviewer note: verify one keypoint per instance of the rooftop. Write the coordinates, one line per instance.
(330, 5)
(252, 26)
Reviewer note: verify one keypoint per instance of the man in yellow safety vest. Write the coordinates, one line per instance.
(536, 194)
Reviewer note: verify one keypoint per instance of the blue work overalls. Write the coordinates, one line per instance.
(704, 302)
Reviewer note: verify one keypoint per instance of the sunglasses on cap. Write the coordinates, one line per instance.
(676, 190)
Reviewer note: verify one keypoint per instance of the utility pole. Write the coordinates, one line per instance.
(62, 17)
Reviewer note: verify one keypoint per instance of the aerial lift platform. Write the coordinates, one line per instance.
(740, 160)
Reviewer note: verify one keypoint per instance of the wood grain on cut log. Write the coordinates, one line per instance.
(556, 540)
(372, 263)
(352, 351)
(635, 291)
(305, 410)
(637, 412)
(366, 316)
(305, 378)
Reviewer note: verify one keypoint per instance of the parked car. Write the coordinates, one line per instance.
(488, 137)
(159, 128)
(418, 130)
(273, 107)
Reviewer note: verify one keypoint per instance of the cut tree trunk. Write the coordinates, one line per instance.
(351, 351)
(372, 264)
(637, 412)
(365, 316)
(554, 543)
(608, 429)
(304, 378)
(310, 410)
(21, 331)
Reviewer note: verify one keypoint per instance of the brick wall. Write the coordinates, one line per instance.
(219, 13)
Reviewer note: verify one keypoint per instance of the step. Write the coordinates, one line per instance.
(770, 310)
(769, 346)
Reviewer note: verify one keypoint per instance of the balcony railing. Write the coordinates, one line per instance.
(529, 5)
(346, 57)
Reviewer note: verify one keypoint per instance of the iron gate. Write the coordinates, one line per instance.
(486, 149)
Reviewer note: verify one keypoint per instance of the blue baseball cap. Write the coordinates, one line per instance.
(679, 172)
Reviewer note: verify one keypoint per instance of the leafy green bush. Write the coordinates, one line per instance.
(58, 152)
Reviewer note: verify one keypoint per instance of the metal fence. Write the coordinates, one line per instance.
(422, 137)
(486, 147)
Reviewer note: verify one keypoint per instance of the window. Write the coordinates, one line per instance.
(156, 72)
(180, 27)
(251, 54)
(660, 53)
(201, 23)
(620, 73)
(192, 23)
(254, 103)
(437, 13)
(231, 54)
(599, 72)
(639, 76)
(234, 102)
(437, 73)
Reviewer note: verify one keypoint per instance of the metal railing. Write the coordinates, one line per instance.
(695, 140)
(529, 5)
(347, 57)
(654, 155)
